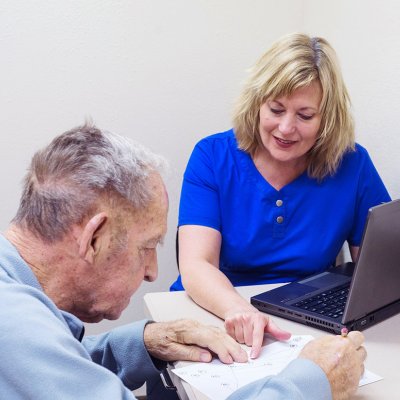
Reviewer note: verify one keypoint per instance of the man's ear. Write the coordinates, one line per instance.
(87, 240)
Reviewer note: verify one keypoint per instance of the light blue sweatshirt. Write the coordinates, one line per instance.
(42, 357)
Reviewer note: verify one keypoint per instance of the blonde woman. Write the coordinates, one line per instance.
(275, 198)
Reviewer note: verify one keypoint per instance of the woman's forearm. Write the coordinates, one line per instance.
(212, 290)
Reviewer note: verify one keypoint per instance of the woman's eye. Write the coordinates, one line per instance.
(305, 117)
(276, 111)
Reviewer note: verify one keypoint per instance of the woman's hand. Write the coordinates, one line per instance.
(249, 326)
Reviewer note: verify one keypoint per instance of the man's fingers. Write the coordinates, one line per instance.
(199, 354)
(227, 349)
(192, 341)
(192, 353)
(356, 337)
(362, 353)
(362, 370)
(214, 339)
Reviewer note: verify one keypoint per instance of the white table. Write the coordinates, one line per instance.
(382, 341)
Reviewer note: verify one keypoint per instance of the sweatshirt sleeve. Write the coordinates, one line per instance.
(43, 360)
(123, 352)
(300, 380)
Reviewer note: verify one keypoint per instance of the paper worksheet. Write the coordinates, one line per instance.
(217, 380)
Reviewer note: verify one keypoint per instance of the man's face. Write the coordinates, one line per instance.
(128, 258)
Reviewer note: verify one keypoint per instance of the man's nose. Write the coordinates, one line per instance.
(151, 268)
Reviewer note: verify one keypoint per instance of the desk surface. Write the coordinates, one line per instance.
(382, 341)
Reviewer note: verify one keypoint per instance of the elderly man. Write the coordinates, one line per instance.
(92, 213)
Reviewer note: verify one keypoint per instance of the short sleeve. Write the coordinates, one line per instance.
(371, 191)
(199, 202)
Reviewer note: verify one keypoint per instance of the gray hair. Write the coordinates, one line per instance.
(66, 179)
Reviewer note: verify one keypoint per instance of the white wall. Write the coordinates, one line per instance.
(366, 36)
(162, 72)
(166, 73)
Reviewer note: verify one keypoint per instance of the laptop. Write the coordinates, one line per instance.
(352, 295)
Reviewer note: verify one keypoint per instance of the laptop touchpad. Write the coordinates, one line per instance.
(325, 280)
(287, 292)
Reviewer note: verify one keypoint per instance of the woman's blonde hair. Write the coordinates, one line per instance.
(293, 62)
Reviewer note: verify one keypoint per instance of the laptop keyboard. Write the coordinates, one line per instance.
(330, 303)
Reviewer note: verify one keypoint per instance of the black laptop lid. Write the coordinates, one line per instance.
(376, 280)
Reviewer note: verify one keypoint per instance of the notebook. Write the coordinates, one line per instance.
(354, 296)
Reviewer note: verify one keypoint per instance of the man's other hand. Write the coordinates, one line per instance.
(342, 360)
(188, 340)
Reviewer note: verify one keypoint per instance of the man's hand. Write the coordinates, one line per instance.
(248, 327)
(342, 360)
(189, 340)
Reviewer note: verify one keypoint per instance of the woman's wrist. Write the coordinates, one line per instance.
(239, 309)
